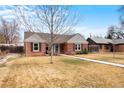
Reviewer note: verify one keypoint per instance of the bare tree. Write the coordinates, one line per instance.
(14, 32)
(4, 30)
(111, 34)
(9, 31)
(52, 19)
(2, 40)
(115, 32)
(121, 17)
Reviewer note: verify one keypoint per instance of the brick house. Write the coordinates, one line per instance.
(119, 45)
(105, 45)
(36, 44)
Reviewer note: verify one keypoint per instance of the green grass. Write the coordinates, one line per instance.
(74, 61)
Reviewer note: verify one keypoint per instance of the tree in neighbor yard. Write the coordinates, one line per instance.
(121, 11)
(121, 18)
(2, 40)
(112, 32)
(117, 32)
(52, 19)
(9, 31)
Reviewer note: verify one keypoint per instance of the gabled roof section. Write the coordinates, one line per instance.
(77, 38)
(34, 38)
(119, 41)
(101, 40)
(29, 36)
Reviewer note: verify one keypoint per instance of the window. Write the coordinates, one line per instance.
(36, 47)
(77, 47)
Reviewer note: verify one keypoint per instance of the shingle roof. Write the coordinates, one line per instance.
(34, 38)
(101, 40)
(107, 41)
(119, 41)
(46, 37)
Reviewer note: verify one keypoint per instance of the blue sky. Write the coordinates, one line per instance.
(94, 19)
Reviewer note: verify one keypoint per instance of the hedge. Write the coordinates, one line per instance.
(85, 51)
(12, 49)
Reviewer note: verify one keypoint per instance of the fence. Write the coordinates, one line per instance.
(12, 49)
(93, 48)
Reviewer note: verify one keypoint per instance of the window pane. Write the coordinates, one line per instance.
(35, 45)
(35, 48)
(78, 46)
(75, 46)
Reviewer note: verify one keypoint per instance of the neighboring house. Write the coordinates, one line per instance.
(37, 43)
(21, 44)
(7, 45)
(119, 45)
(17, 44)
(105, 45)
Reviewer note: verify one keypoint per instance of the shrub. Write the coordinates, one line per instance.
(85, 51)
(78, 52)
(12, 49)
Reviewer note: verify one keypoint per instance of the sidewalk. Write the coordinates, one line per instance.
(96, 61)
(4, 59)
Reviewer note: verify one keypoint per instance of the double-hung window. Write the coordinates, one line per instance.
(77, 47)
(35, 47)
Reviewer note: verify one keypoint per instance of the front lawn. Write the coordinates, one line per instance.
(75, 61)
(110, 57)
(64, 72)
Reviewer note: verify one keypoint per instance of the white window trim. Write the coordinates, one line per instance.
(38, 47)
(78, 45)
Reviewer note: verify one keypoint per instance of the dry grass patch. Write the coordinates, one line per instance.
(118, 57)
(64, 72)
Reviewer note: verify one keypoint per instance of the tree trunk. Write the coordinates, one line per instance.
(51, 54)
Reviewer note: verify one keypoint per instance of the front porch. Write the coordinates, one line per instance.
(62, 48)
(59, 49)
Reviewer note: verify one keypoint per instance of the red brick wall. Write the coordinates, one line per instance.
(119, 48)
(84, 46)
(69, 48)
(28, 52)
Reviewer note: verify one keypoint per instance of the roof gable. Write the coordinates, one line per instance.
(34, 38)
(45, 37)
(101, 40)
(77, 39)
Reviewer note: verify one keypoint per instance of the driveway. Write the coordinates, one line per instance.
(96, 61)
(3, 59)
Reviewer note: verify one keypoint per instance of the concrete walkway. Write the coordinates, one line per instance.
(3, 60)
(96, 61)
